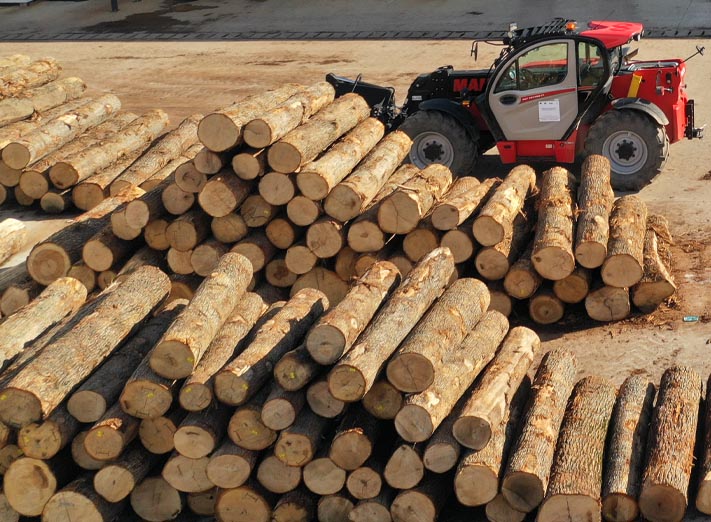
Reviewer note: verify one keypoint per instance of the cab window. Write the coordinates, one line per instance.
(591, 66)
(542, 66)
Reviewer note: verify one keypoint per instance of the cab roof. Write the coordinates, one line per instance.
(613, 34)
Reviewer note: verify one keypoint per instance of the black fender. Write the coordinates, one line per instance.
(456, 111)
(640, 104)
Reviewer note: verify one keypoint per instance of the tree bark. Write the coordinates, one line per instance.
(201, 432)
(59, 131)
(352, 196)
(413, 367)
(248, 372)
(545, 307)
(223, 194)
(334, 333)
(12, 238)
(61, 298)
(425, 410)
(401, 211)
(595, 199)
(322, 402)
(528, 471)
(574, 288)
(230, 466)
(463, 199)
(223, 129)
(115, 481)
(672, 436)
(156, 500)
(576, 475)
(279, 121)
(14, 131)
(307, 141)
(608, 303)
(79, 501)
(553, 244)
(487, 404)
(39, 387)
(317, 178)
(156, 433)
(624, 264)
(297, 445)
(14, 60)
(625, 450)
(168, 148)
(355, 439)
(45, 440)
(404, 469)
(703, 496)
(250, 163)
(53, 257)
(246, 428)
(496, 218)
(186, 340)
(230, 228)
(657, 283)
(15, 80)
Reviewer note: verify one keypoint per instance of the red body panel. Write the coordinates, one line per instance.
(560, 151)
(612, 34)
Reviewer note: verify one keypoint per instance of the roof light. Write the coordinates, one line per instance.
(571, 26)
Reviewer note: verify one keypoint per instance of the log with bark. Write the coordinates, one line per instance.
(53, 257)
(277, 188)
(15, 80)
(625, 449)
(322, 402)
(496, 218)
(39, 387)
(172, 167)
(59, 131)
(279, 121)
(14, 131)
(670, 457)
(456, 370)
(461, 242)
(317, 178)
(413, 367)
(354, 440)
(703, 494)
(297, 445)
(223, 194)
(375, 509)
(104, 250)
(334, 508)
(307, 141)
(299, 259)
(595, 199)
(608, 303)
(277, 273)
(463, 199)
(485, 407)
(499, 510)
(282, 407)
(223, 129)
(110, 435)
(19, 294)
(12, 238)
(401, 211)
(186, 340)
(351, 196)
(494, 262)
(624, 265)
(79, 501)
(189, 179)
(168, 148)
(525, 481)
(335, 332)
(576, 474)
(366, 481)
(250, 163)
(355, 373)
(179, 261)
(230, 466)
(442, 451)
(657, 283)
(188, 230)
(553, 245)
(46, 439)
(244, 375)
(325, 238)
(201, 432)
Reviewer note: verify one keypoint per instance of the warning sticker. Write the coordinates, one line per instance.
(549, 110)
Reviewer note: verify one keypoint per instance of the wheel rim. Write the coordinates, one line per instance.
(627, 152)
(431, 147)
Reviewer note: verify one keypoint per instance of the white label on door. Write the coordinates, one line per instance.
(549, 110)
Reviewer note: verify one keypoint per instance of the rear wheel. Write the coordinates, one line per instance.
(439, 138)
(635, 144)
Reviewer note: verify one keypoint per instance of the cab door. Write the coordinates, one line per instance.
(534, 95)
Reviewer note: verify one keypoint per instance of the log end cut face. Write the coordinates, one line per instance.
(64, 175)
(368, 511)
(472, 432)
(155, 499)
(218, 132)
(19, 408)
(410, 372)
(662, 503)
(34, 184)
(145, 400)
(193, 441)
(172, 360)
(323, 477)
(413, 423)
(258, 134)
(228, 471)
(278, 414)
(103, 443)
(294, 449)
(413, 506)
(325, 343)
(16, 155)
(346, 383)
(621, 271)
(476, 485)
(590, 254)
(312, 185)
(195, 397)
(553, 263)
(440, 458)
(351, 449)
(48, 262)
(67, 506)
(247, 430)
(523, 491)
(564, 508)
(343, 203)
(618, 507)
(284, 157)
(488, 231)
(28, 485)
(445, 217)
(399, 214)
(404, 470)
(87, 406)
(114, 483)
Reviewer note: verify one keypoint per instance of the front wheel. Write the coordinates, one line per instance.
(439, 138)
(635, 144)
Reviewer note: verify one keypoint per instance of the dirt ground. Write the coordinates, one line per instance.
(184, 78)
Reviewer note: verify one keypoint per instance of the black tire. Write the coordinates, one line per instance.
(432, 132)
(620, 135)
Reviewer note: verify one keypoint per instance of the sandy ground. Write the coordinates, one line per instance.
(184, 78)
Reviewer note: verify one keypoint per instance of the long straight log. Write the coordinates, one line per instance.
(91, 400)
(276, 123)
(53, 257)
(182, 346)
(553, 245)
(576, 475)
(413, 366)
(489, 400)
(624, 264)
(15, 80)
(61, 298)
(625, 450)
(526, 479)
(424, 411)
(351, 196)
(40, 99)
(497, 216)
(59, 131)
(168, 148)
(334, 333)
(595, 199)
(355, 374)
(657, 283)
(463, 199)
(670, 459)
(222, 130)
